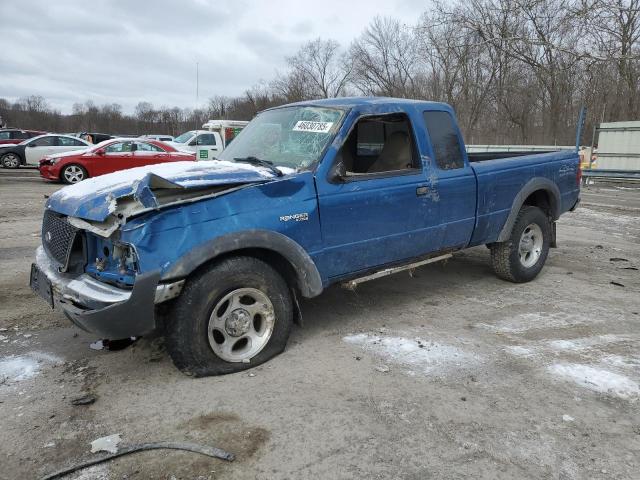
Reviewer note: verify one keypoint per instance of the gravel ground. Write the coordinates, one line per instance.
(451, 373)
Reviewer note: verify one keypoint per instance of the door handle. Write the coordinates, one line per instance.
(423, 190)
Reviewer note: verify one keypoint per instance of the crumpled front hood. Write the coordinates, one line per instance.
(96, 198)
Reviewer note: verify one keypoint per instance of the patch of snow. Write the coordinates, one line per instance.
(44, 263)
(608, 217)
(533, 321)
(15, 368)
(622, 362)
(416, 353)
(519, 350)
(596, 379)
(106, 444)
(567, 418)
(18, 368)
(586, 342)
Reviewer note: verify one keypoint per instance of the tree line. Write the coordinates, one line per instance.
(516, 71)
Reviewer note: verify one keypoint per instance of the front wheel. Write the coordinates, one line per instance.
(232, 316)
(73, 174)
(523, 255)
(10, 160)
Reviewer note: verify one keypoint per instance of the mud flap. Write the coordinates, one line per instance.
(297, 311)
(554, 242)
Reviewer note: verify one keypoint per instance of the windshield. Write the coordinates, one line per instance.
(184, 138)
(292, 137)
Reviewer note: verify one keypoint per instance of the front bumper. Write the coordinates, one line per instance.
(49, 172)
(103, 309)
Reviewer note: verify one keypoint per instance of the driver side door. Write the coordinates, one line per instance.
(207, 146)
(380, 210)
(117, 156)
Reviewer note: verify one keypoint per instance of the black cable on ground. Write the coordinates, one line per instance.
(125, 450)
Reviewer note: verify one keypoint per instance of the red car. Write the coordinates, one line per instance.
(15, 135)
(109, 156)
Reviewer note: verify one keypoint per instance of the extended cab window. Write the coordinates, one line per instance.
(379, 144)
(444, 140)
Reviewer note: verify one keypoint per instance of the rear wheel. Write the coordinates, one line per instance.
(10, 160)
(73, 174)
(521, 258)
(233, 316)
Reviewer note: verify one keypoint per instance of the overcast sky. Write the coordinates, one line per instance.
(130, 51)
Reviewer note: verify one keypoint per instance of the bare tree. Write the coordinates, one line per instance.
(320, 68)
(615, 26)
(385, 59)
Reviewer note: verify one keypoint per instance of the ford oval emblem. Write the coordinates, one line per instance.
(48, 237)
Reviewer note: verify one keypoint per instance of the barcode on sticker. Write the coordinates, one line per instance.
(318, 127)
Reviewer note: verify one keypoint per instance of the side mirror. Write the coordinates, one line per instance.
(100, 151)
(338, 172)
(32, 144)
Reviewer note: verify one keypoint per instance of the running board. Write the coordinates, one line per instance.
(352, 284)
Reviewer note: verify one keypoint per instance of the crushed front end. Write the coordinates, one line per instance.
(88, 264)
(95, 280)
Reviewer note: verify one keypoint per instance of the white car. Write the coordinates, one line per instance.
(160, 138)
(31, 151)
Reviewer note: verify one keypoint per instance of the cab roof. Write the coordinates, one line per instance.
(351, 102)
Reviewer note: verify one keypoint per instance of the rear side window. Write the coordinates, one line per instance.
(444, 140)
(5, 135)
(147, 147)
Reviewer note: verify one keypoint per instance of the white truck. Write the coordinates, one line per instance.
(210, 141)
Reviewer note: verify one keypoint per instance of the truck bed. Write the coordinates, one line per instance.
(500, 179)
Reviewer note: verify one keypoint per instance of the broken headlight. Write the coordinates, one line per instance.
(112, 261)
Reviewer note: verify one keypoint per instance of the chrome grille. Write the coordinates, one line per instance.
(57, 236)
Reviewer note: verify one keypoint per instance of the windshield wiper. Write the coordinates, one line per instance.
(261, 163)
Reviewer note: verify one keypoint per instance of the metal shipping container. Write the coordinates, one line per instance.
(618, 146)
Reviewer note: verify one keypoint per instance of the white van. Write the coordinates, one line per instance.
(210, 142)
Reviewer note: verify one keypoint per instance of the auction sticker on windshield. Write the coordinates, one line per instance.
(317, 127)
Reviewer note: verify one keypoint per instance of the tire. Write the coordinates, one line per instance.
(521, 258)
(200, 330)
(73, 173)
(10, 160)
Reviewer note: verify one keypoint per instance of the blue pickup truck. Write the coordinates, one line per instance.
(217, 254)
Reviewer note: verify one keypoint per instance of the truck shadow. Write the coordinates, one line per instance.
(338, 308)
